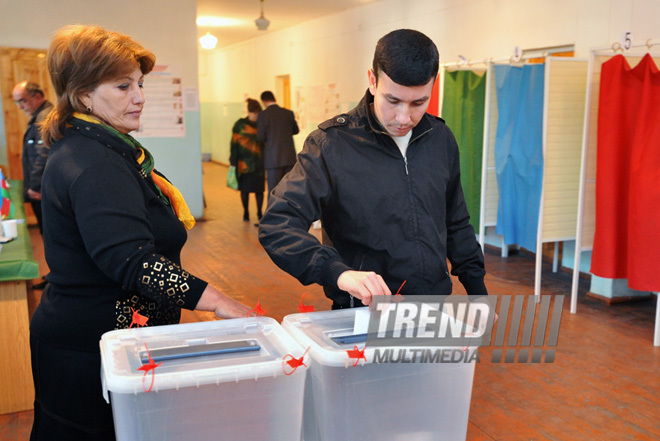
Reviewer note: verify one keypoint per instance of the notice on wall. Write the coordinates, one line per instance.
(300, 107)
(190, 99)
(163, 113)
(315, 104)
(331, 101)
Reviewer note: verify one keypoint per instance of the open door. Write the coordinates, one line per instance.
(283, 89)
(17, 65)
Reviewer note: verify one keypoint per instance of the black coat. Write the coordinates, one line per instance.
(35, 153)
(400, 217)
(275, 129)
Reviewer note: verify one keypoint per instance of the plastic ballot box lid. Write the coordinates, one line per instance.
(194, 354)
(334, 337)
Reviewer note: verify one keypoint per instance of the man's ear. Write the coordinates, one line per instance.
(372, 81)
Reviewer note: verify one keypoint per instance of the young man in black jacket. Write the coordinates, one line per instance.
(384, 179)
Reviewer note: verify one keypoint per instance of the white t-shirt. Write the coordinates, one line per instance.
(402, 142)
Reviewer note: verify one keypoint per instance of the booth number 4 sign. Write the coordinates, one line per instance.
(517, 54)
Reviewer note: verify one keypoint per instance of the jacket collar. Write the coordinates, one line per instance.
(36, 114)
(365, 114)
(110, 141)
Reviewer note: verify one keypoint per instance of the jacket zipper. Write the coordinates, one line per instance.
(405, 158)
(412, 201)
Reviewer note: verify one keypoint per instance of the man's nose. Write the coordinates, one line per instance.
(403, 115)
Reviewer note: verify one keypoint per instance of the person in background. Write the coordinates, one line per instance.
(247, 156)
(29, 97)
(275, 129)
(113, 232)
(385, 181)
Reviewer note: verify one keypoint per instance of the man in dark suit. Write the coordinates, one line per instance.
(29, 97)
(275, 129)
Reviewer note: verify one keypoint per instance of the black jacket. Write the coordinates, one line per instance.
(35, 153)
(275, 129)
(400, 217)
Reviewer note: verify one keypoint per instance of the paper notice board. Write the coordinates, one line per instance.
(163, 113)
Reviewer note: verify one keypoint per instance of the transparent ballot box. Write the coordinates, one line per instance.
(354, 391)
(239, 379)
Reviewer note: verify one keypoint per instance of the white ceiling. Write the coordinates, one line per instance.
(281, 13)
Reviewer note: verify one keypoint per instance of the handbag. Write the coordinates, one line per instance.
(232, 181)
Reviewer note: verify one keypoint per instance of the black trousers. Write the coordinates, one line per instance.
(36, 207)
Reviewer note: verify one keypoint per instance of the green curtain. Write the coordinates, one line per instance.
(463, 110)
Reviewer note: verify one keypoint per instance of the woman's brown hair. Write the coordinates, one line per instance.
(253, 105)
(79, 59)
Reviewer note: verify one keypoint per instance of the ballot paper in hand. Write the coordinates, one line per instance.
(361, 324)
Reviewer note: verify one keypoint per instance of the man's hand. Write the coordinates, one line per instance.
(363, 285)
(35, 196)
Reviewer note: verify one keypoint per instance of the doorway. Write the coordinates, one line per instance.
(16, 65)
(283, 90)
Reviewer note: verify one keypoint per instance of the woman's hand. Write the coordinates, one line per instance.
(221, 304)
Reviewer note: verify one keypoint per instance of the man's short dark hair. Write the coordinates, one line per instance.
(33, 88)
(267, 96)
(407, 56)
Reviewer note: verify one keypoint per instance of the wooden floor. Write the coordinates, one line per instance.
(603, 385)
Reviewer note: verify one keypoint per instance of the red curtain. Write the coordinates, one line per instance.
(434, 105)
(627, 237)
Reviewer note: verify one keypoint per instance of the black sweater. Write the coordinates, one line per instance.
(112, 245)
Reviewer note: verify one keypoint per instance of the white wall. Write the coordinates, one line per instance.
(166, 27)
(338, 49)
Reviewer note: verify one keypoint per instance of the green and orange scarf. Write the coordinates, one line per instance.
(168, 192)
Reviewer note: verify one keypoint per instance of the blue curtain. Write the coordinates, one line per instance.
(519, 152)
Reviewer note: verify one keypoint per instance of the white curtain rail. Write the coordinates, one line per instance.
(616, 46)
(487, 61)
(467, 63)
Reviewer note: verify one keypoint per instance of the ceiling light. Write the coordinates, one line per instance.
(208, 41)
(212, 21)
(262, 22)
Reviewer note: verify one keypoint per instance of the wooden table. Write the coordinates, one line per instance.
(17, 266)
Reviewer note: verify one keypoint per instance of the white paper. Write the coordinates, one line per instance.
(362, 316)
(190, 99)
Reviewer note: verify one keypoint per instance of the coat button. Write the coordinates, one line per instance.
(341, 120)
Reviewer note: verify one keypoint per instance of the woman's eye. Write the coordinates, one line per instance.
(123, 87)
